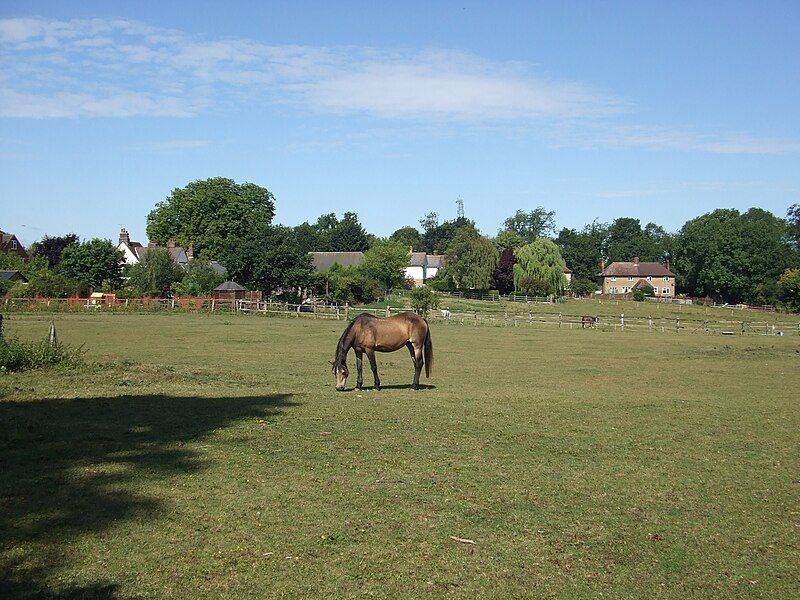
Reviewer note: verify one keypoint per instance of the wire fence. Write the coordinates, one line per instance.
(508, 318)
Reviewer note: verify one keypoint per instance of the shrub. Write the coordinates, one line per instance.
(639, 294)
(583, 287)
(423, 299)
(21, 356)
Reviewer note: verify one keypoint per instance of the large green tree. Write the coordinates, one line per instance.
(733, 256)
(583, 250)
(438, 236)
(211, 213)
(267, 259)
(409, 237)
(94, 263)
(471, 259)
(539, 267)
(385, 262)
(530, 226)
(793, 217)
(330, 234)
(52, 247)
(625, 240)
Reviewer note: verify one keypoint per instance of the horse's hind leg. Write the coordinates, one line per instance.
(416, 357)
(374, 365)
(359, 369)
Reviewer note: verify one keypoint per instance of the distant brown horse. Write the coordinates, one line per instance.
(367, 334)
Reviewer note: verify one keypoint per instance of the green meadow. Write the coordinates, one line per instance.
(201, 455)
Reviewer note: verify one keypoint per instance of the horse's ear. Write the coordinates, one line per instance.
(331, 362)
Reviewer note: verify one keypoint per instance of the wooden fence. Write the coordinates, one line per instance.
(515, 317)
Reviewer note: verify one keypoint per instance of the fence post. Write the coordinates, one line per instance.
(212, 305)
(560, 320)
(743, 328)
(388, 311)
(347, 312)
(677, 325)
(52, 336)
(337, 312)
(650, 323)
(622, 321)
(476, 318)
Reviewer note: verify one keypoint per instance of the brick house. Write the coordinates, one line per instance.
(625, 277)
(10, 244)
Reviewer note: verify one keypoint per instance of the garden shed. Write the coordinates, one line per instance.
(230, 290)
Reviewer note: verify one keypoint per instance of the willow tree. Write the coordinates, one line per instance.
(539, 267)
(471, 260)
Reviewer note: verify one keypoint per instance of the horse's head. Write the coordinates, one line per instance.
(340, 372)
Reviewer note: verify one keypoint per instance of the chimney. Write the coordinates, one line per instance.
(636, 260)
(171, 244)
(436, 253)
(151, 244)
(124, 236)
(668, 265)
(190, 251)
(602, 264)
(411, 249)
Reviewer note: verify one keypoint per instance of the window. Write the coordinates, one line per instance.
(666, 278)
(625, 290)
(613, 279)
(666, 290)
(613, 290)
(13, 244)
(630, 278)
(649, 278)
(655, 290)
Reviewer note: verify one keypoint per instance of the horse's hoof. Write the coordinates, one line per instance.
(377, 388)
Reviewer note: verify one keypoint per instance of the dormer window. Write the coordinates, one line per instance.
(13, 244)
(666, 278)
(613, 279)
(649, 278)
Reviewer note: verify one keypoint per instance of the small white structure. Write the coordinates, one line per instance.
(134, 252)
(422, 266)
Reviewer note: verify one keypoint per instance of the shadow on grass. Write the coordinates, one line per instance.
(67, 468)
(396, 386)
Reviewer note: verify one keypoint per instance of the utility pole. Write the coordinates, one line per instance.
(460, 204)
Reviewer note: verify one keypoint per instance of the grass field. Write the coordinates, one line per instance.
(209, 456)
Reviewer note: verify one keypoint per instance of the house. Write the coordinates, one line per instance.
(422, 266)
(625, 277)
(568, 276)
(134, 252)
(12, 276)
(10, 244)
(322, 261)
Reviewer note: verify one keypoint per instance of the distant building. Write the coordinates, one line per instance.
(10, 244)
(625, 277)
(568, 276)
(134, 252)
(12, 276)
(322, 261)
(421, 266)
(230, 290)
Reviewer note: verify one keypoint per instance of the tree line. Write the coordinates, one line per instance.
(731, 256)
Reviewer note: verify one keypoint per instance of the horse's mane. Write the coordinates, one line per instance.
(340, 350)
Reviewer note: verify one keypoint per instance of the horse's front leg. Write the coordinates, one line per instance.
(359, 369)
(374, 365)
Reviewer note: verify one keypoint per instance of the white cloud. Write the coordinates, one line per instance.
(123, 68)
(118, 68)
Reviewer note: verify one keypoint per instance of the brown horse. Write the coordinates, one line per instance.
(367, 334)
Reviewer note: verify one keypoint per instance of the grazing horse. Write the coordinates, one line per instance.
(367, 334)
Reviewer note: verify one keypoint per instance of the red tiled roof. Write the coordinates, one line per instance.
(632, 269)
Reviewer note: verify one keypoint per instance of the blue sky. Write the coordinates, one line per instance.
(660, 111)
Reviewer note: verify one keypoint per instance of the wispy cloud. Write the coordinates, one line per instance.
(604, 134)
(123, 68)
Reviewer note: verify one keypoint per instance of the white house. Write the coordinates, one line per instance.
(422, 266)
(134, 252)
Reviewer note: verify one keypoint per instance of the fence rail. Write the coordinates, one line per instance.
(508, 318)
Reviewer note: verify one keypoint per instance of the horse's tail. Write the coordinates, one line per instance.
(428, 352)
